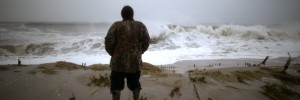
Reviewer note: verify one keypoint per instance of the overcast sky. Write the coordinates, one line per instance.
(174, 11)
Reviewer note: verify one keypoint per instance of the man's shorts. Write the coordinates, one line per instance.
(118, 82)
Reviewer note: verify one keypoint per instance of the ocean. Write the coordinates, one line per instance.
(36, 43)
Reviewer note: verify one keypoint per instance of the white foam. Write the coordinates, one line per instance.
(173, 43)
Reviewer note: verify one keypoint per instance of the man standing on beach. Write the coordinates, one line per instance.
(125, 42)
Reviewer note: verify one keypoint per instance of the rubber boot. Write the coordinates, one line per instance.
(136, 94)
(116, 95)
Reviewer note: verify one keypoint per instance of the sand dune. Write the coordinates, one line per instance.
(57, 81)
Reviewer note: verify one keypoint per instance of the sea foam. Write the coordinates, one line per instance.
(82, 43)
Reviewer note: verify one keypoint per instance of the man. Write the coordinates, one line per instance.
(125, 42)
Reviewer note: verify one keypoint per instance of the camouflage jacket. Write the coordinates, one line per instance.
(125, 42)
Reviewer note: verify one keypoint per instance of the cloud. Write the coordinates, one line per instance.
(175, 11)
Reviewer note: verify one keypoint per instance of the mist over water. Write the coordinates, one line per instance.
(36, 43)
(171, 11)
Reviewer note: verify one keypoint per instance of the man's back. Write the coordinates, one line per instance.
(126, 41)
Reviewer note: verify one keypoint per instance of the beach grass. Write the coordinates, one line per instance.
(201, 76)
(60, 65)
(149, 69)
(273, 70)
(3, 68)
(243, 76)
(99, 67)
(45, 69)
(66, 65)
(198, 79)
(279, 92)
(162, 75)
(219, 76)
(101, 81)
(32, 72)
(209, 99)
(175, 91)
(48, 71)
(287, 78)
(143, 98)
(237, 76)
(284, 77)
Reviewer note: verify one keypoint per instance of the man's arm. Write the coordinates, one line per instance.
(145, 38)
(110, 40)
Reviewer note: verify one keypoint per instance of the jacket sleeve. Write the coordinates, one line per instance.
(145, 38)
(110, 40)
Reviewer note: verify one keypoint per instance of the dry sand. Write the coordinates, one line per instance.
(30, 83)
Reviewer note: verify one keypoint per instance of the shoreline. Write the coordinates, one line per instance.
(278, 60)
(183, 66)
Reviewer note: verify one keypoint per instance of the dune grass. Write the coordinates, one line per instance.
(209, 99)
(143, 98)
(99, 67)
(219, 76)
(201, 76)
(149, 69)
(51, 68)
(199, 79)
(49, 71)
(175, 91)
(67, 65)
(287, 78)
(46, 70)
(243, 76)
(162, 75)
(279, 92)
(272, 70)
(3, 68)
(101, 81)
(146, 69)
(235, 76)
(32, 72)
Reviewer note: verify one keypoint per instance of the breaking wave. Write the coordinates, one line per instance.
(52, 48)
(196, 36)
(171, 42)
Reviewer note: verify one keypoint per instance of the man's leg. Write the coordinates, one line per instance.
(133, 83)
(116, 95)
(117, 84)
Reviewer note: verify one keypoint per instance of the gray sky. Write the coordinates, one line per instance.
(174, 11)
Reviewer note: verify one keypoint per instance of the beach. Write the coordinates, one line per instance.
(198, 49)
(207, 80)
(210, 62)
